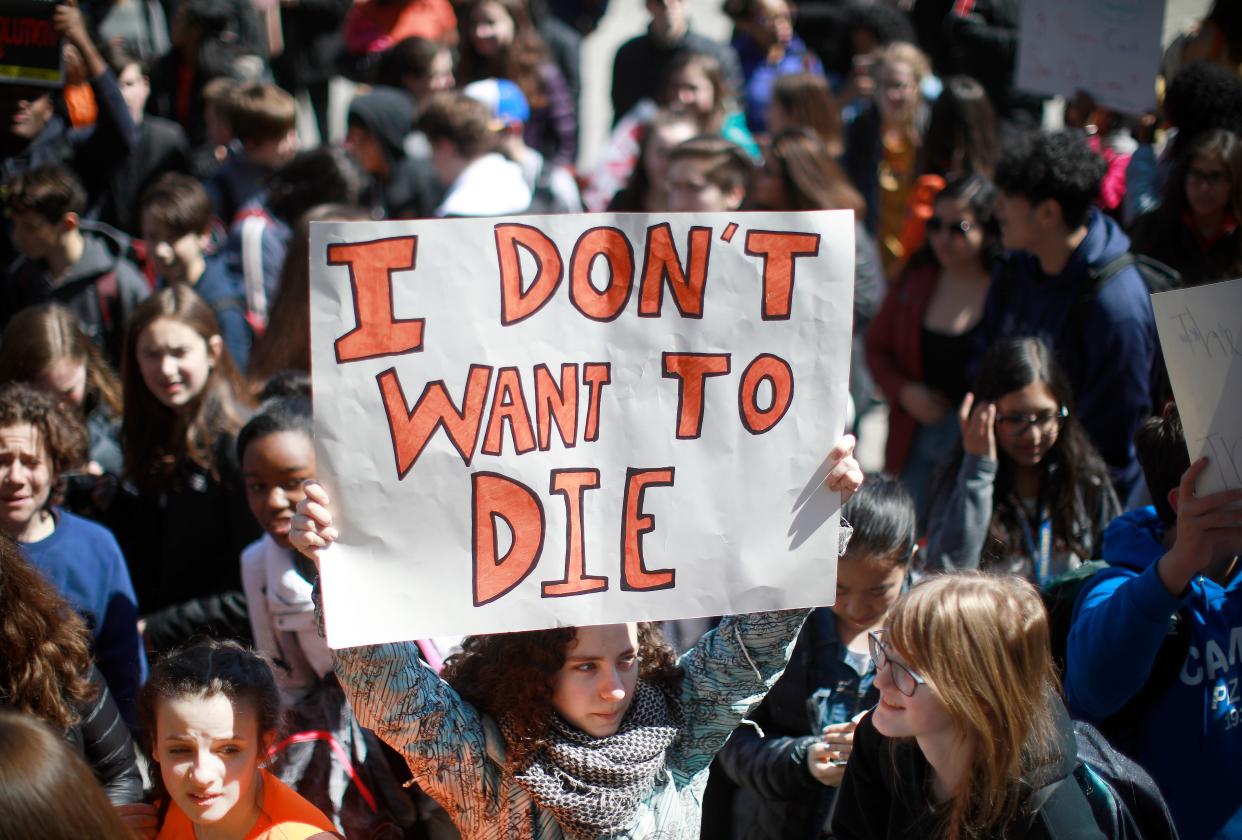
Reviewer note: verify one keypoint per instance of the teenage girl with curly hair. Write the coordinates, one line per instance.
(577, 732)
(46, 672)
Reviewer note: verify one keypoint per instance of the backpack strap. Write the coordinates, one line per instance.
(253, 227)
(108, 294)
(1063, 810)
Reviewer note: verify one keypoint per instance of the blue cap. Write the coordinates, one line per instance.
(502, 97)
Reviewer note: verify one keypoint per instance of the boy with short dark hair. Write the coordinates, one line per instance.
(708, 174)
(1154, 653)
(78, 264)
(176, 223)
(264, 120)
(1066, 279)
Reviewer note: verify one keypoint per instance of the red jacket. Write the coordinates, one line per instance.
(895, 354)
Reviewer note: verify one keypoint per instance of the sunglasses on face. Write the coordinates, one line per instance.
(1045, 421)
(907, 681)
(961, 227)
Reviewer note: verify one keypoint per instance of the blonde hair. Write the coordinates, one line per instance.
(900, 52)
(983, 642)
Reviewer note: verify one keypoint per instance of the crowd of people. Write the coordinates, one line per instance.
(1037, 622)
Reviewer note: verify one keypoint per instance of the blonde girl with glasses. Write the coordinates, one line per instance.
(970, 737)
(1025, 491)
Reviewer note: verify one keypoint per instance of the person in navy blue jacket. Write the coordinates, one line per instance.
(1058, 244)
(1172, 575)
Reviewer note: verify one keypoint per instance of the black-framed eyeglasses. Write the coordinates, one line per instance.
(907, 681)
(1045, 421)
(960, 227)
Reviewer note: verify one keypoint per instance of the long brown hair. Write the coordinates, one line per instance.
(808, 100)
(156, 439)
(510, 675)
(46, 789)
(983, 643)
(45, 655)
(520, 62)
(813, 180)
(285, 344)
(711, 68)
(40, 336)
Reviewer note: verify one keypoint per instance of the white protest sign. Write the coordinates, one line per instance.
(1108, 48)
(580, 419)
(1201, 336)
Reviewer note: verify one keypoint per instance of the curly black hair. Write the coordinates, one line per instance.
(510, 675)
(1058, 166)
(1203, 96)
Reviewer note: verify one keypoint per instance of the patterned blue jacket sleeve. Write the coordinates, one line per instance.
(442, 737)
(727, 674)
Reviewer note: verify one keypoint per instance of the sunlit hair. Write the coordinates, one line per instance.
(510, 675)
(41, 336)
(59, 432)
(45, 654)
(900, 52)
(46, 789)
(155, 438)
(519, 62)
(982, 641)
(813, 179)
(710, 67)
(285, 344)
(807, 100)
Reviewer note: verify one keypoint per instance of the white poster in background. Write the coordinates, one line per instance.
(1201, 336)
(1109, 49)
(580, 419)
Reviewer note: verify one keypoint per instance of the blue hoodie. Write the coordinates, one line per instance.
(1190, 739)
(1110, 365)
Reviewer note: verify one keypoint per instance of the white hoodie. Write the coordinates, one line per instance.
(491, 185)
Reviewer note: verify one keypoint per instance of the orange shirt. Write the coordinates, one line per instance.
(286, 816)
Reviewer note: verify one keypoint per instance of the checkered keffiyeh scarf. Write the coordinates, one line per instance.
(594, 786)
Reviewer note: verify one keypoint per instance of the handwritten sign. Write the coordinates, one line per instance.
(29, 46)
(1201, 335)
(574, 420)
(1108, 48)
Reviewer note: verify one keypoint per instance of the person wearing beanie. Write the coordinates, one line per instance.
(402, 187)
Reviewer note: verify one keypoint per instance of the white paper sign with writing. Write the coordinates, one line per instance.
(1109, 49)
(580, 419)
(1201, 336)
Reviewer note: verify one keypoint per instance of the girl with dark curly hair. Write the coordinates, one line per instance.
(210, 715)
(46, 671)
(575, 732)
(1024, 492)
(39, 445)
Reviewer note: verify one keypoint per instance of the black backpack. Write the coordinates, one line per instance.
(1121, 797)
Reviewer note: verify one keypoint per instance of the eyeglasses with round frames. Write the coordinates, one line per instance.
(907, 681)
